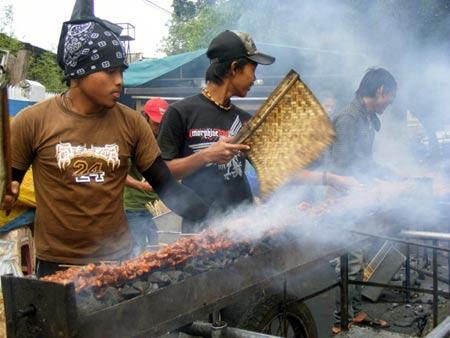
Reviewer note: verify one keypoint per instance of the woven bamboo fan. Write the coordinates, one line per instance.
(288, 132)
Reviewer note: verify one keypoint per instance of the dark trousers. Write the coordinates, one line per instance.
(355, 272)
(143, 230)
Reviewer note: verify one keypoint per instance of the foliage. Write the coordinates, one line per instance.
(194, 24)
(10, 44)
(7, 40)
(44, 69)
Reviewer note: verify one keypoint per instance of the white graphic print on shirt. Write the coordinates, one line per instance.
(83, 171)
(232, 169)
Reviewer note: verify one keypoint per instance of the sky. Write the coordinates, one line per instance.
(39, 22)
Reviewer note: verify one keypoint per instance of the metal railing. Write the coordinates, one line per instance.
(435, 237)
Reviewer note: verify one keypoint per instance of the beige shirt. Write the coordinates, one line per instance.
(80, 164)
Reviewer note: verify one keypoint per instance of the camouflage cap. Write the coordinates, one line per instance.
(230, 45)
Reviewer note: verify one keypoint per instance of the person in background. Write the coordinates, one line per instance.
(80, 143)
(356, 126)
(352, 154)
(328, 102)
(138, 191)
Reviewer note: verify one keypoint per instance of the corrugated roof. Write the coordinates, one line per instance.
(141, 72)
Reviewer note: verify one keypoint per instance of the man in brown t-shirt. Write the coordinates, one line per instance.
(79, 144)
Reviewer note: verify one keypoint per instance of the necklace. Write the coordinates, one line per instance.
(66, 99)
(208, 95)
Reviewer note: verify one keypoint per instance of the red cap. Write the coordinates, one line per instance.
(155, 109)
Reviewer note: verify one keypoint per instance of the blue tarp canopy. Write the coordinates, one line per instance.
(141, 72)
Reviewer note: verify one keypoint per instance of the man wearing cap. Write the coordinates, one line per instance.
(138, 191)
(80, 144)
(196, 131)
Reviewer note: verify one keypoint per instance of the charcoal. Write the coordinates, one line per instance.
(186, 274)
(228, 261)
(189, 268)
(175, 275)
(201, 268)
(258, 250)
(264, 246)
(161, 278)
(129, 292)
(88, 303)
(195, 267)
(233, 254)
(111, 296)
(141, 286)
(220, 255)
(212, 264)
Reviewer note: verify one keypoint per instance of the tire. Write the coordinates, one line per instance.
(267, 316)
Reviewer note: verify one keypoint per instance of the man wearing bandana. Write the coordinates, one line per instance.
(79, 144)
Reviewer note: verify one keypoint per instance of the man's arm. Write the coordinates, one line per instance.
(139, 185)
(171, 140)
(179, 198)
(326, 178)
(13, 191)
(342, 149)
(220, 152)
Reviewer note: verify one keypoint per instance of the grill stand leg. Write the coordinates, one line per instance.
(435, 286)
(216, 319)
(344, 292)
(284, 333)
(448, 267)
(408, 273)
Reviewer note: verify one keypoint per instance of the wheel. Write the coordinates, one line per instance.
(269, 316)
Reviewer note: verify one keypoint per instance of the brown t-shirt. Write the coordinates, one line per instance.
(80, 164)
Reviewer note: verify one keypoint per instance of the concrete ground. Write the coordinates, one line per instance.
(364, 332)
(413, 319)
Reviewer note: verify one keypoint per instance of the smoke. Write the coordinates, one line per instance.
(405, 203)
(331, 44)
(334, 42)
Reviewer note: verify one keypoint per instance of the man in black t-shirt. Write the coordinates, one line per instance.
(195, 132)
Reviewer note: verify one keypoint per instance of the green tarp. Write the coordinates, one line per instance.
(141, 72)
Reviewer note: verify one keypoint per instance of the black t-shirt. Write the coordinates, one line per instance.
(193, 124)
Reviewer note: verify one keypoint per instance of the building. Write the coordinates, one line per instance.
(177, 76)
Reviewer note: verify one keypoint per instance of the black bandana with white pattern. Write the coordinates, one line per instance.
(88, 47)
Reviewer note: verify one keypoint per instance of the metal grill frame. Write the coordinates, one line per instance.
(169, 308)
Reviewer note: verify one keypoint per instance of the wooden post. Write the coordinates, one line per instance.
(5, 146)
(19, 67)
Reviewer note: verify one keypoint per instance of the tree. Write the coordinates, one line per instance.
(307, 23)
(7, 40)
(44, 69)
(194, 24)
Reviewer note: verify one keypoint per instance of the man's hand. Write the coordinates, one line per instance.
(146, 186)
(139, 185)
(11, 197)
(304, 205)
(343, 183)
(222, 152)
